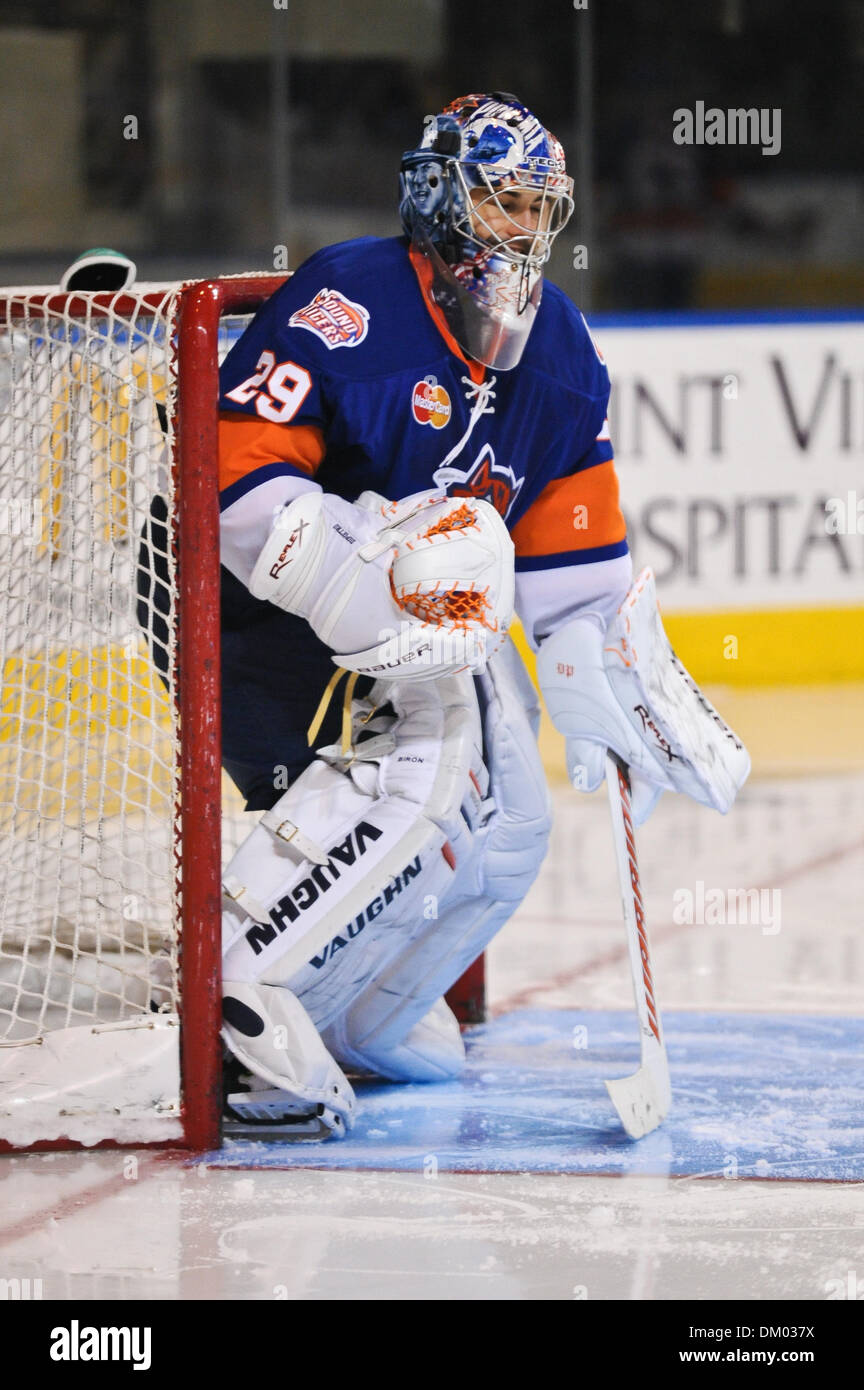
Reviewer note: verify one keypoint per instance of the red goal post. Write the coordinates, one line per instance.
(72, 695)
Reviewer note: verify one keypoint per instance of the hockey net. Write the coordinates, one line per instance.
(109, 781)
(111, 793)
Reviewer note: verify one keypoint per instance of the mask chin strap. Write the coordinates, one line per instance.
(524, 288)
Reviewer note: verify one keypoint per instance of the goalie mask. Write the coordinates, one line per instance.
(483, 198)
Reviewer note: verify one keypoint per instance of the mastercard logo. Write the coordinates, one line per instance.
(430, 404)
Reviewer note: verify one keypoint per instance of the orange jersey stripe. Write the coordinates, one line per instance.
(246, 444)
(423, 271)
(579, 512)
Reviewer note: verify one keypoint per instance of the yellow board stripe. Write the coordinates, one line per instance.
(74, 691)
(771, 647)
(757, 647)
(111, 686)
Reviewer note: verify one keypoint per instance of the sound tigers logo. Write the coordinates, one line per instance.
(494, 482)
(335, 319)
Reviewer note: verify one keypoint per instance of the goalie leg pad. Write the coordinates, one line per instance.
(270, 1032)
(508, 850)
(432, 1050)
(516, 836)
(375, 1031)
(334, 879)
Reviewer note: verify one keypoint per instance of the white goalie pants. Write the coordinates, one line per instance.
(373, 883)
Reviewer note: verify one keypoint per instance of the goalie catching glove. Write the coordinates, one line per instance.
(625, 689)
(398, 590)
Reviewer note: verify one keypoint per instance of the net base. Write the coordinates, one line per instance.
(88, 1085)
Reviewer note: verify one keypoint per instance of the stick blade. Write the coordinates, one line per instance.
(642, 1100)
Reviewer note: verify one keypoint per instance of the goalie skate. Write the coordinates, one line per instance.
(253, 1109)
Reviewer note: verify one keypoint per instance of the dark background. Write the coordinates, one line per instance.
(259, 127)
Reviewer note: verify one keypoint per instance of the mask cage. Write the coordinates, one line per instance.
(556, 206)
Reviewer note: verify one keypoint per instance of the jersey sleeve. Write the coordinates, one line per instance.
(571, 540)
(273, 411)
(571, 545)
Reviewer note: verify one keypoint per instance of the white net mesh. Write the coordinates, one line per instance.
(88, 734)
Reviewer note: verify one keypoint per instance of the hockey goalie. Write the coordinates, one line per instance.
(413, 444)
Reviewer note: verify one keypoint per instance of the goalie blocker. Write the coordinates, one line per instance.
(624, 689)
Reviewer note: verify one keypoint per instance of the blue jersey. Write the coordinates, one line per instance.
(348, 359)
(348, 379)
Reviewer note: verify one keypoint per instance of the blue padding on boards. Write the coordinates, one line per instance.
(753, 1095)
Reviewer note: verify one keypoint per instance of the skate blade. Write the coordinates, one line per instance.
(263, 1115)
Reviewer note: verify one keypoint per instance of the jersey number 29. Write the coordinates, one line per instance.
(284, 382)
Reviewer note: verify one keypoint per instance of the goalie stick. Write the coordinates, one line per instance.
(642, 1100)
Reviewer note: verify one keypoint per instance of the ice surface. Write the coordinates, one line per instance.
(752, 1096)
(765, 1040)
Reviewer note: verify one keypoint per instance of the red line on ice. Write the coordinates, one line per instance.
(531, 993)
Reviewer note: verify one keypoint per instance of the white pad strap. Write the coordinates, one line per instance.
(243, 897)
(277, 821)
